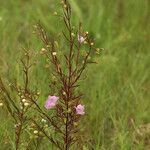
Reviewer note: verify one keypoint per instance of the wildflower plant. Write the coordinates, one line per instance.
(17, 99)
(59, 119)
(66, 102)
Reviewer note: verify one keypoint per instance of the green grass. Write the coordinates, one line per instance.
(116, 89)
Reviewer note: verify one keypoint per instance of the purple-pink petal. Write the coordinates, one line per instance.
(51, 102)
(80, 110)
(81, 39)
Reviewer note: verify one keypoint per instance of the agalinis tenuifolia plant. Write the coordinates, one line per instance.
(17, 99)
(59, 119)
(65, 98)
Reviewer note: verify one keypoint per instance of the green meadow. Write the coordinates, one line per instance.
(117, 88)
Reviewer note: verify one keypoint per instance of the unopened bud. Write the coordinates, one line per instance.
(43, 50)
(69, 111)
(73, 34)
(23, 100)
(26, 104)
(85, 42)
(65, 6)
(38, 93)
(35, 132)
(92, 44)
(48, 46)
(54, 53)
(55, 13)
(35, 26)
(46, 126)
(64, 93)
(1, 104)
(75, 124)
(65, 120)
(22, 96)
(43, 120)
(97, 50)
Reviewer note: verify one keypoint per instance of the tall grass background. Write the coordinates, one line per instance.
(117, 88)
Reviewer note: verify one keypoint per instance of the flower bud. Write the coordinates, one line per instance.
(35, 26)
(46, 126)
(1, 104)
(73, 34)
(92, 44)
(43, 50)
(97, 50)
(43, 120)
(69, 111)
(75, 124)
(48, 46)
(64, 93)
(54, 53)
(55, 13)
(65, 6)
(22, 96)
(26, 104)
(23, 100)
(65, 120)
(38, 93)
(35, 132)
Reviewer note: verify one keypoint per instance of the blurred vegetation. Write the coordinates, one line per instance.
(116, 89)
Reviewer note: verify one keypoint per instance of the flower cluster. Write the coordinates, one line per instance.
(52, 101)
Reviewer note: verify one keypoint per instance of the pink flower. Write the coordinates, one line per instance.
(51, 102)
(80, 109)
(81, 39)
